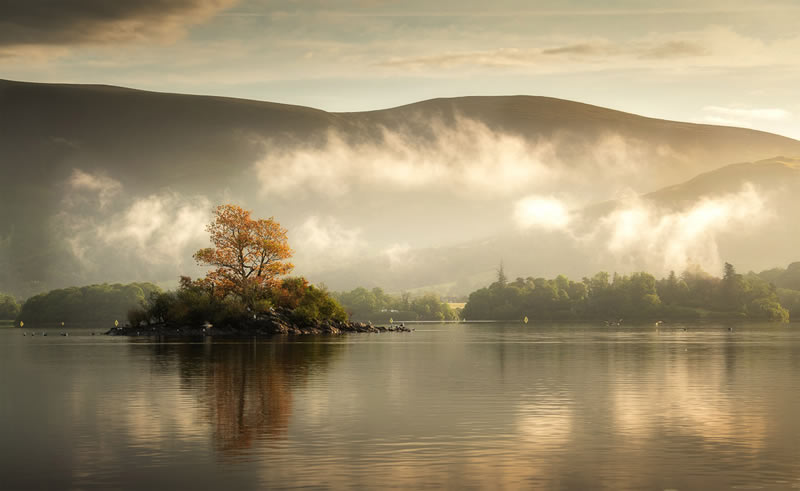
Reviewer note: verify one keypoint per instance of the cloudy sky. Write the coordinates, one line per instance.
(733, 62)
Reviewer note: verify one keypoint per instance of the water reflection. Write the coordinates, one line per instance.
(244, 389)
(459, 407)
(504, 408)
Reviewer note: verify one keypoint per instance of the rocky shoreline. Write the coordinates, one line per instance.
(270, 324)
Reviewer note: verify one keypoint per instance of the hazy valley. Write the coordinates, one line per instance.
(113, 184)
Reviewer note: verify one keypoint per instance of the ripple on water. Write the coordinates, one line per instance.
(477, 406)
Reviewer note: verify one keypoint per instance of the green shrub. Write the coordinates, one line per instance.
(193, 304)
(230, 311)
(315, 304)
(767, 309)
(263, 306)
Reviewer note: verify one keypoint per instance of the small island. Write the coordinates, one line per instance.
(247, 293)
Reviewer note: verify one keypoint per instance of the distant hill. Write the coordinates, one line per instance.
(188, 139)
(585, 248)
(774, 174)
(82, 165)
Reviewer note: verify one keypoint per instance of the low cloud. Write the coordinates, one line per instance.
(465, 158)
(638, 234)
(399, 255)
(160, 230)
(85, 185)
(541, 212)
(641, 234)
(321, 241)
(58, 23)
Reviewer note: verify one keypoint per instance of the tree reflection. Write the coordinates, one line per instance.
(245, 388)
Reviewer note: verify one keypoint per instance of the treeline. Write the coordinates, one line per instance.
(93, 303)
(788, 283)
(377, 306)
(694, 294)
(9, 307)
(195, 303)
(788, 278)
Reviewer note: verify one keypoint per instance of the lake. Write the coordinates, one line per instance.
(458, 406)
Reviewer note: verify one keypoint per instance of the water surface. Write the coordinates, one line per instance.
(459, 406)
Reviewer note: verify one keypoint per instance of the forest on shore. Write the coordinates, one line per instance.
(375, 305)
(694, 295)
(772, 295)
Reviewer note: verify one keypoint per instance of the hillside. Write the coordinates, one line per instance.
(714, 206)
(113, 184)
(188, 137)
(774, 174)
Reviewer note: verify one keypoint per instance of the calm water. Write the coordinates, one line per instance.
(448, 406)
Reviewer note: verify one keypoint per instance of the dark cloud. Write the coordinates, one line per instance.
(65, 22)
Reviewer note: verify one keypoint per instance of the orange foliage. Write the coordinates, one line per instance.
(290, 291)
(249, 255)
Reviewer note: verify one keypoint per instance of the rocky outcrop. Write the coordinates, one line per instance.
(270, 324)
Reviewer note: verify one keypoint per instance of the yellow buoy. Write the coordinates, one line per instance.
(21, 323)
(116, 323)
(525, 320)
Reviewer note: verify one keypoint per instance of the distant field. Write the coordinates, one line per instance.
(457, 305)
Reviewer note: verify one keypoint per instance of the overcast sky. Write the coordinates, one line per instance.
(733, 62)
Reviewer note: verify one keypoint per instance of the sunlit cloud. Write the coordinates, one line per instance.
(158, 228)
(86, 185)
(465, 157)
(161, 229)
(541, 212)
(322, 240)
(639, 234)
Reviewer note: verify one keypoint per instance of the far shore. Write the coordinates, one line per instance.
(355, 326)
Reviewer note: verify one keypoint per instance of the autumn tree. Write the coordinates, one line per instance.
(248, 254)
